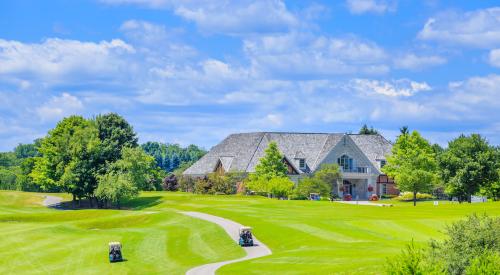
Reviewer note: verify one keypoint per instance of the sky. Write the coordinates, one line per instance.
(195, 71)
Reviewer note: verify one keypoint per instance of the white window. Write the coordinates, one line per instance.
(345, 162)
(302, 163)
(384, 189)
(382, 163)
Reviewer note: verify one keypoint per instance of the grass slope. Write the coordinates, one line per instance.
(306, 237)
(37, 240)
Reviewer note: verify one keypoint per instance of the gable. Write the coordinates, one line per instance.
(346, 146)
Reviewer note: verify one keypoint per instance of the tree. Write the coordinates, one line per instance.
(323, 181)
(115, 134)
(170, 183)
(280, 187)
(116, 187)
(367, 131)
(58, 150)
(23, 151)
(271, 165)
(140, 167)
(412, 164)
(468, 164)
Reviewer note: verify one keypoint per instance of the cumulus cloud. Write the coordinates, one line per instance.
(394, 88)
(479, 28)
(494, 58)
(59, 59)
(228, 17)
(418, 62)
(59, 106)
(314, 56)
(371, 6)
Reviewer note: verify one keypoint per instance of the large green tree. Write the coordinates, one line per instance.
(57, 150)
(271, 165)
(115, 134)
(140, 167)
(412, 164)
(468, 164)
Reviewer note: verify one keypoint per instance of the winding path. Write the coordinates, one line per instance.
(52, 201)
(232, 229)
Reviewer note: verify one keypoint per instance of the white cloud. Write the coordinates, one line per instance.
(59, 106)
(415, 62)
(479, 29)
(373, 6)
(59, 59)
(494, 58)
(394, 88)
(228, 17)
(308, 55)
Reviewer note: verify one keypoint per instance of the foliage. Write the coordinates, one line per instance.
(412, 260)
(309, 185)
(271, 165)
(141, 168)
(171, 157)
(186, 184)
(170, 183)
(23, 151)
(468, 164)
(280, 187)
(486, 263)
(215, 183)
(7, 179)
(408, 196)
(116, 187)
(412, 164)
(472, 247)
(468, 239)
(115, 133)
(323, 181)
(367, 131)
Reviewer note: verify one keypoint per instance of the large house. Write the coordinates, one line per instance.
(360, 158)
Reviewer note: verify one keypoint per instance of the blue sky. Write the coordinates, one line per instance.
(195, 71)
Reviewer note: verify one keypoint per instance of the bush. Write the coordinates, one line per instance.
(486, 263)
(280, 187)
(472, 247)
(347, 197)
(408, 196)
(170, 183)
(373, 197)
(186, 183)
(310, 185)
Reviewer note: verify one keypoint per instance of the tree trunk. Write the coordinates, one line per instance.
(90, 202)
(414, 198)
(74, 201)
(469, 198)
(118, 204)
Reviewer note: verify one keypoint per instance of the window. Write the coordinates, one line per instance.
(345, 162)
(384, 189)
(302, 163)
(382, 163)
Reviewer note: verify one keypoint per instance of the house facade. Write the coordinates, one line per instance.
(360, 158)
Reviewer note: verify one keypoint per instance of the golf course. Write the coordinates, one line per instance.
(306, 237)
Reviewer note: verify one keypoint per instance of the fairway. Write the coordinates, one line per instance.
(306, 237)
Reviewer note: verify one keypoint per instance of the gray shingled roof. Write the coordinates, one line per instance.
(242, 152)
(375, 147)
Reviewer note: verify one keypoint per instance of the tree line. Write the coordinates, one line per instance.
(97, 159)
(469, 165)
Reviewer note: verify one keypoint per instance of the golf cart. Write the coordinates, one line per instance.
(314, 197)
(115, 252)
(246, 236)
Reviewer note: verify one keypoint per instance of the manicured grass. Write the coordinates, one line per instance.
(306, 237)
(37, 240)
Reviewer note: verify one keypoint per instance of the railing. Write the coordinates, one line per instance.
(362, 170)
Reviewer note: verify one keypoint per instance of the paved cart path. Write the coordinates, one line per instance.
(52, 201)
(232, 228)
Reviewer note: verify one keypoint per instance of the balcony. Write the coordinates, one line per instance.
(360, 170)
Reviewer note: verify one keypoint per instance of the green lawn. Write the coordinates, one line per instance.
(306, 237)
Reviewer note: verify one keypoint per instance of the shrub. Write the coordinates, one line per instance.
(408, 196)
(472, 247)
(310, 185)
(170, 183)
(486, 263)
(186, 183)
(373, 197)
(347, 197)
(280, 187)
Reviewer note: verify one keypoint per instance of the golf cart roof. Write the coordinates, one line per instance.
(245, 228)
(115, 244)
